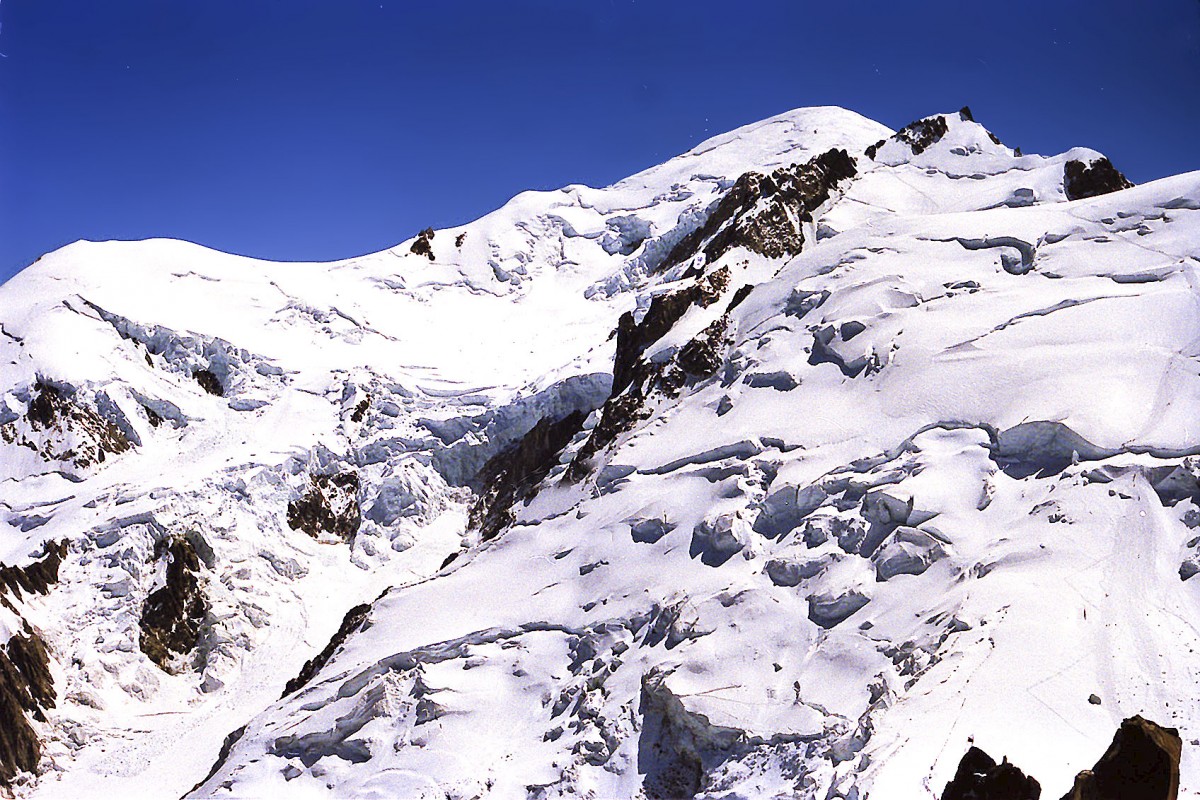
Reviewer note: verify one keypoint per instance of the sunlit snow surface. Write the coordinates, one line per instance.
(540, 663)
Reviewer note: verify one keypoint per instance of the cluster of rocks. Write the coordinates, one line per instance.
(1142, 763)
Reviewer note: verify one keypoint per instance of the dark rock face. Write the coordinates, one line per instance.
(422, 247)
(26, 685)
(762, 212)
(59, 413)
(209, 382)
(921, 134)
(979, 777)
(619, 414)
(350, 623)
(226, 748)
(770, 229)
(512, 476)
(173, 615)
(705, 354)
(37, 578)
(664, 311)
(634, 379)
(1142, 763)
(26, 689)
(329, 506)
(1092, 180)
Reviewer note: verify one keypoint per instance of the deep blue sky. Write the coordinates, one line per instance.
(295, 129)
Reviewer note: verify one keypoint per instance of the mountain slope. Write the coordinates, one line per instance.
(784, 467)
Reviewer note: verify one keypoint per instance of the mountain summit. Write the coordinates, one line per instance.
(820, 461)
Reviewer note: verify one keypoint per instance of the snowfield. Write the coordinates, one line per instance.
(791, 467)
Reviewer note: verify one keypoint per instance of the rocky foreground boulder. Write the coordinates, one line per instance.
(1142, 763)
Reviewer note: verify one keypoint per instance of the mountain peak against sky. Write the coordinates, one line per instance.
(782, 139)
(323, 132)
(822, 460)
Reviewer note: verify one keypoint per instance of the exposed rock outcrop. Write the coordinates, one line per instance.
(26, 689)
(979, 777)
(764, 213)
(920, 135)
(209, 382)
(512, 476)
(223, 755)
(422, 245)
(350, 623)
(1142, 763)
(330, 506)
(664, 311)
(173, 614)
(1082, 180)
(634, 379)
(37, 578)
(704, 355)
(26, 684)
(60, 427)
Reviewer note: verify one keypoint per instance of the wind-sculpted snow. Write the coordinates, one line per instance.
(865, 473)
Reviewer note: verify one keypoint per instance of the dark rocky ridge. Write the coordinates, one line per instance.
(512, 476)
(698, 358)
(979, 777)
(1092, 180)
(26, 684)
(920, 135)
(664, 311)
(226, 748)
(329, 506)
(172, 616)
(26, 689)
(1142, 763)
(704, 355)
(37, 578)
(350, 623)
(763, 213)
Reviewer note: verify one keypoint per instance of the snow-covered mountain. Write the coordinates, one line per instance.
(793, 466)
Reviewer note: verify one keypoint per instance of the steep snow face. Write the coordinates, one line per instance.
(928, 475)
(238, 452)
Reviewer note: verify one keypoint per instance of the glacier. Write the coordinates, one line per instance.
(795, 466)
